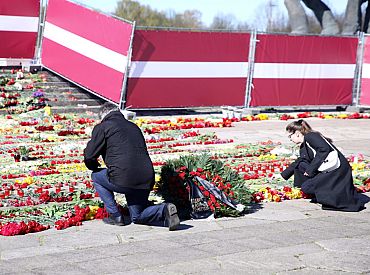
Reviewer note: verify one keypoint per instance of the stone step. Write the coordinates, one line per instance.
(73, 96)
(88, 102)
(64, 96)
(69, 92)
(75, 109)
(54, 84)
(63, 89)
(67, 109)
(54, 78)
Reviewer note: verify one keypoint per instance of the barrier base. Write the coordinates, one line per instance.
(35, 68)
(355, 109)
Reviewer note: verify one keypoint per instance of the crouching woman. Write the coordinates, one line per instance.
(332, 187)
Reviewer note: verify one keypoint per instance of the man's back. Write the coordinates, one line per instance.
(122, 146)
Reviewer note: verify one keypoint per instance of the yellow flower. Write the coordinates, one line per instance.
(51, 138)
(263, 116)
(71, 168)
(157, 178)
(269, 197)
(267, 157)
(296, 193)
(94, 208)
(358, 166)
(92, 212)
(140, 121)
(28, 180)
(328, 116)
(155, 187)
(263, 190)
(47, 110)
(342, 116)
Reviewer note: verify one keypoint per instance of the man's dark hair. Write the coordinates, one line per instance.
(106, 108)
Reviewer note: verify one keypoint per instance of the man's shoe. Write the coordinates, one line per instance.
(114, 220)
(172, 219)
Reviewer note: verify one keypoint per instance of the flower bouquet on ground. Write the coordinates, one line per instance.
(24, 220)
(220, 186)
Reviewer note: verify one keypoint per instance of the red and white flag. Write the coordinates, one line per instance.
(18, 28)
(303, 70)
(188, 69)
(87, 47)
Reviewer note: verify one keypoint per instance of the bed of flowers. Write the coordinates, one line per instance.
(44, 183)
(302, 115)
(19, 91)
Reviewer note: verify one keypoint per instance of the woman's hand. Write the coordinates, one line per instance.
(305, 174)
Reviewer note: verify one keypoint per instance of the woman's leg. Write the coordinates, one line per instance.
(308, 187)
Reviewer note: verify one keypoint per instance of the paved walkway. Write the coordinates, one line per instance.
(292, 237)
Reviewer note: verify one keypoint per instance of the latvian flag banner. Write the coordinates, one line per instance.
(303, 70)
(18, 28)
(188, 69)
(87, 47)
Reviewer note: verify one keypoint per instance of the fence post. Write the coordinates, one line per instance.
(359, 65)
(40, 31)
(252, 51)
(122, 102)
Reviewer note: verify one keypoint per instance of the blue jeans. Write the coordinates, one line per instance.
(137, 200)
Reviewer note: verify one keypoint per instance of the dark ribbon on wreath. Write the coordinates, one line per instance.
(199, 202)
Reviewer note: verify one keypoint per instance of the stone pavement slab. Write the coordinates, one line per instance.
(352, 136)
(332, 243)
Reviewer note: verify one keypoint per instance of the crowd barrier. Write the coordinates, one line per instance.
(87, 47)
(187, 69)
(303, 70)
(175, 69)
(19, 21)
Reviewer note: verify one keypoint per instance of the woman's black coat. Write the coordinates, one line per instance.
(123, 148)
(333, 189)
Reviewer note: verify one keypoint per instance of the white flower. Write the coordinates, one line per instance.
(18, 86)
(279, 151)
(240, 207)
(20, 75)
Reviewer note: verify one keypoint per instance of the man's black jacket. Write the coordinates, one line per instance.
(122, 146)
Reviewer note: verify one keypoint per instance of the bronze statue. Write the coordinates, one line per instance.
(352, 19)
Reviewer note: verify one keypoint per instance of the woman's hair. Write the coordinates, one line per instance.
(303, 127)
(299, 125)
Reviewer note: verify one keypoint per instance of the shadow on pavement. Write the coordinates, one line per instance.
(252, 208)
(183, 226)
